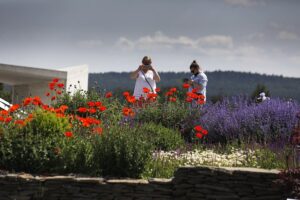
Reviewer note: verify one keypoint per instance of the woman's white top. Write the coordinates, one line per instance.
(141, 83)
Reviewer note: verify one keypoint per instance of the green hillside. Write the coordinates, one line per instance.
(225, 83)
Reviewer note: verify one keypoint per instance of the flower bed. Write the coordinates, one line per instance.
(98, 134)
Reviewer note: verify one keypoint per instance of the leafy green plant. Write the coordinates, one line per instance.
(46, 124)
(160, 137)
(121, 152)
(32, 148)
(161, 168)
(167, 114)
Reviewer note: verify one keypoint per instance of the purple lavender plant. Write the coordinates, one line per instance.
(241, 118)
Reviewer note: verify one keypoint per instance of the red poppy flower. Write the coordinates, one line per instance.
(68, 134)
(8, 119)
(60, 85)
(58, 92)
(131, 99)
(92, 110)
(98, 103)
(53, 98)
(128, 111)
(4, 112)
(126, 94)
(91, 104)
(186, 85)
(204, 132)
(55, 80)
(146, 90)
(192, 95)
(157, 90)
(199, 135)
(195, 90)
(2, 119)
(14, 107)
(52, 86)
(201, 102)
(198, 128)
(108, 95)
(173, 90)
(201, 97)
(47, 94)
(27, 101)
(82, 110)
(102, 108)
(63, 108)
(151, 96)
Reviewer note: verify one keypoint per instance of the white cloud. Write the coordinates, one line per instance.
(160, 40)
(90, 43)
(125, 43)
(286, 35)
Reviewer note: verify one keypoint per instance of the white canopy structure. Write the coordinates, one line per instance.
(30, 81)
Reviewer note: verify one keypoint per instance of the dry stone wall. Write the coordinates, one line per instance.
(207, 183)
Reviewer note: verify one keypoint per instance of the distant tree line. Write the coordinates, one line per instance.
(220, 83)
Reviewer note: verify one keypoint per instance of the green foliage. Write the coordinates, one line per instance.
(121, 152)
(77, 155)
(32, 148)
(268, 159)
(160, 137)
(28, 152)
(168, 114)
(46, 124)
(161, 168)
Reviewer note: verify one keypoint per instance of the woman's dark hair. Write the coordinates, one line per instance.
(146, 60)
(194, 65)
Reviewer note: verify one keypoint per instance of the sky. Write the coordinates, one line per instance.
(260, 36)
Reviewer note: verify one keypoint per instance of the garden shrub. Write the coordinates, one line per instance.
(168, 114)
(160, 137)
(77, 155)
(46, 124)
(121, 152)
(239, 118)
(33, 147)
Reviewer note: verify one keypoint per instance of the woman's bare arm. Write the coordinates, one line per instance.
(135, 73)
(156, 76)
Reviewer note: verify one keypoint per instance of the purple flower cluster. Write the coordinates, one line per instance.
(241, 118)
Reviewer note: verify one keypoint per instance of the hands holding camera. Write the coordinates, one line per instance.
(146, 67)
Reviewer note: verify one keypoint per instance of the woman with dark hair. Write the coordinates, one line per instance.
(146, 77)
(198, 80)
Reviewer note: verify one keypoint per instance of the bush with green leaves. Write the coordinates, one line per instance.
(121, 152)
(77, 155)
(169, 114)
(160, 137)
(33, 148)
